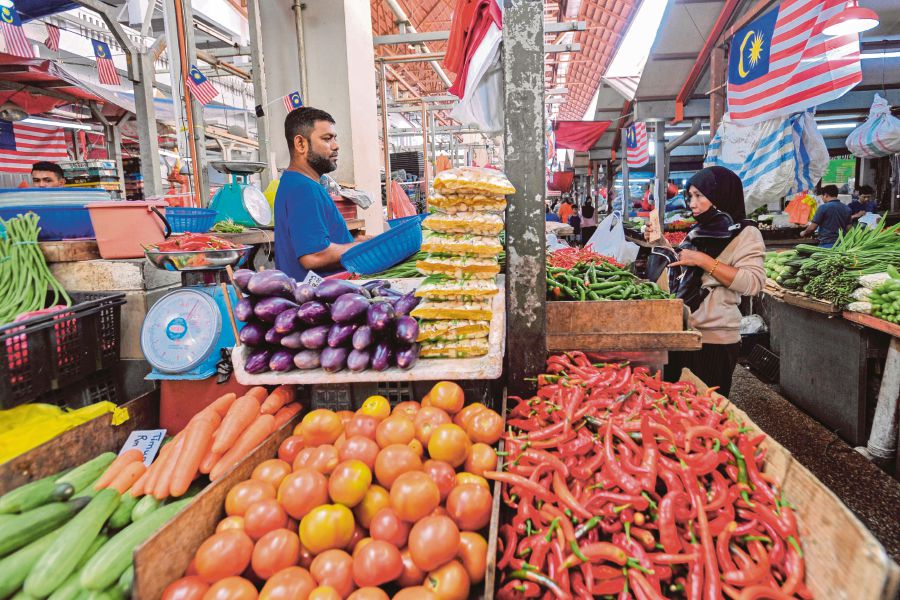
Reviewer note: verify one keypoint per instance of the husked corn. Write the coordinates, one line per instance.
(459, 267)
(453, 330)
(477, 223)
(462, 245)
(454, 288)
(473, 178)
(454, 349)
(477, 310)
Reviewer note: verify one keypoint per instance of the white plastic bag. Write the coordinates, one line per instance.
(751, 324)
(861, 307)
(609, 240)
(862, 293)
(879, 135)
(873, 280)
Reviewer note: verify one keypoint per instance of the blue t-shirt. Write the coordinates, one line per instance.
(552, 218)
(856, 206)
(831, 217)
(306, 221)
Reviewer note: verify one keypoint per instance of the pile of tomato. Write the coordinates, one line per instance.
(371, 505)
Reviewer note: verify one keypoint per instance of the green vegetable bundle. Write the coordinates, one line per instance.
(885, 299)
(602, 281)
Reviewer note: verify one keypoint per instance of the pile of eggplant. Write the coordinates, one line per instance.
(334, 326)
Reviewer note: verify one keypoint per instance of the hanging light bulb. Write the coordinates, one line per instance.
(853, 19)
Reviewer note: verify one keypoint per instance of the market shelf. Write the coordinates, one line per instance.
(871, 322)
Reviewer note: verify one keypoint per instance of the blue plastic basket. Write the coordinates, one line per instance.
(395, 222)
(390, 248)
(195, 220)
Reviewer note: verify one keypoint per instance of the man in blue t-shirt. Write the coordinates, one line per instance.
(310, 233)
(832, 217)
(865, 204)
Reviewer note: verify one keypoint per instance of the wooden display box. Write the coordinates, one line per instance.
(619, 325)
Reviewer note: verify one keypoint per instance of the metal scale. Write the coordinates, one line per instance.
(240, 200)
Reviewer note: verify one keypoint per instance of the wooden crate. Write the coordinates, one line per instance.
(619, 325)
(801, 300)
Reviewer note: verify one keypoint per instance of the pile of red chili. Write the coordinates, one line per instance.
(675, 237)
(624, 486)
(566, 258)
(192, 242)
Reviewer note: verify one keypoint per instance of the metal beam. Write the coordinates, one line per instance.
(555, 48)
(259, 88)
(438, 36)
(659, 139)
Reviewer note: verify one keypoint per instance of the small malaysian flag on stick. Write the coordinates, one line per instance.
(200, 86)
(637, 146)
(106, 69)
(52, 41)
(13, 34)
(292, 101)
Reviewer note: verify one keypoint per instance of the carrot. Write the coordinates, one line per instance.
(280, 396)
(138, 488)
(221, 404)
(127, 476)
(240, 415)
(197, 442)
(259, 430)
(285, 413)
(258, 392)
(209, 461)
(113, 470)
(161, 489)
(156, 468)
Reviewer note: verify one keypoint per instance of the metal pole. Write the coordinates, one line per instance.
(382, 91)
(882, 444)
(433, 130)
(259, 88)
(717, 67)
(145, 115)
(301, 48)
(626, 185)
(199, 128)
(425, 171)
(523, 75)
(659, 139)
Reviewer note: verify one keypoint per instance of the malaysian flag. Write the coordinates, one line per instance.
(13, 34)
(22, 145)
(105, 67)
(52, 41)
(637, 146)
(200, 86)
(782, 63)
(292, 101)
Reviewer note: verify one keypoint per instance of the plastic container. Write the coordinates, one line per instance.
(51, 351)
(395, 222)
(52, 196)
(386, 250)
(195, 220)
(57, 221)
(123, 228)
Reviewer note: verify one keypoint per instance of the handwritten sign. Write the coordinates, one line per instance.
(312, 279)
(148, 441)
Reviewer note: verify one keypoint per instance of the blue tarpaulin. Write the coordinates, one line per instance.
(35, 9)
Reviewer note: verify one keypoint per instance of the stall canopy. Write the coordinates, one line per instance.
(562, 181)
(34, 9)
(578, 135)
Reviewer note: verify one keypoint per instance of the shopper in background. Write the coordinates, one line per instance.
(729, 252)
(865, 204)
(45, 174)
(565, 211)
(832, 217)
(551, 216)
(588, 220)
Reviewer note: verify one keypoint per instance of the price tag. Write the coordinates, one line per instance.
(312, 279)
(147, 441)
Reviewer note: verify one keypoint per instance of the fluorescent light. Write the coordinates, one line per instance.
(853, 19)
(874, 55)
(676, 133)
(54, 123)
(822, 126)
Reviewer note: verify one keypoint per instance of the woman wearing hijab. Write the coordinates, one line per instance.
(720, 260)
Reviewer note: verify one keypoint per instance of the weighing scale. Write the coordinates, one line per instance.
(239, 200)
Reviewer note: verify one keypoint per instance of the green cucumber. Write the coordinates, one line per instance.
(122, 516)
(62, 492)
(37, 522)
(115, 556)
(112, 593)
(145, 506)
(28, 496)
(87, 473)
(15, 567)
(126, 581)
(21, 595)
(71, 587)
(64, 554)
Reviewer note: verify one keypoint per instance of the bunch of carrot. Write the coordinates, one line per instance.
(213, 442)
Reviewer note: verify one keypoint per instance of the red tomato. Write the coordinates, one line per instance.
(245, 493)
(277, 550)
(486, 427)
(324, 592)
(414, 495)
(369, 593)
(358, 535)
(469, 506)
(192, 567)
(449, 443)
(360, 448)
(306, 557)
(442, 474)
(464, 417)
(408, 408)
(231, 588)
(412, 575)
(271, 471)
(334, 568)
(387, 526)
(234, 522)
(418, 592)
(288, 584)
(375, 499)
(396, 429)
(349, 482)
(433, 541)
(224, 554)
(290, 447)
(362, 424)
(326, 527)
(481, 458)
(447, 396)
(427, 420)
(322, 458)
(345, 416)
(473, 554)
(449, 582)
(320, 426)
(393, 461)
(302, 491)
(360, 545)
(186, 588)
(264, 516)
(378, 562)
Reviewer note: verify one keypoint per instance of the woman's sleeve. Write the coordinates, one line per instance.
(748, 260)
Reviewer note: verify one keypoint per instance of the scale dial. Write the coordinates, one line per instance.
(256, 205)
(181, 330)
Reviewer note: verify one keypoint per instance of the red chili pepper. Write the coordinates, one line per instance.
(712, 589)
(628, 483)
(763, 592)
(668, 532)
(594, 552)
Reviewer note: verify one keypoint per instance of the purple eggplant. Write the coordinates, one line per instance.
(253, 334)
(293, 340)
(363, 338)
(315, 338)
(242, 278)
(358, 360)
(380, 315)
(334, 359)
(258, 361)
(313, 313)
(383, 291)
(307, 359)
(374, 283)
(382, 357)
(348, 308)
(340, 334)
(286, 321)
(268, 309)
(404, 305)
(281, 360)
(407, 356)
(406, 330)
(332, 289)
(304, 293)
(271, 283)
(243, 310)
(273, 336)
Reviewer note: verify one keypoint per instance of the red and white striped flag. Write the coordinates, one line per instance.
(782, 63)
(52, 41)
(23, 144)
(637, 145)
(292, 101)
(13, 34)
(105, 66)
(200, 86)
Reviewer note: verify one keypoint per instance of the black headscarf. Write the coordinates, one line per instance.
(723, 188)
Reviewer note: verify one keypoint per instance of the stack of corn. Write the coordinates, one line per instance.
(462, 245)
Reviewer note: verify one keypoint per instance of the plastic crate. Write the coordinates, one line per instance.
(52, 351)
(386, 250)
(57, 221)
(196, 220)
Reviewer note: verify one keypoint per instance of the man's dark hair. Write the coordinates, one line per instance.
(830, 190)
(48, 166)
(867, 189)
(301, 121)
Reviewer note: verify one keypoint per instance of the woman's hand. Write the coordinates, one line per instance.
(693, 258)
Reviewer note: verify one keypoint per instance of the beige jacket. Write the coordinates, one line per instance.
(719, 317)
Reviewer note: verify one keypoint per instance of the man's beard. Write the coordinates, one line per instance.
(321, 164)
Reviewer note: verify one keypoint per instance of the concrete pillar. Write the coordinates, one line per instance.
(340, 62)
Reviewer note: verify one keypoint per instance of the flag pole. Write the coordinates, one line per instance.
(626, 190)
(196, 167)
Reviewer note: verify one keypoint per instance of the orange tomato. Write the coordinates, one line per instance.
(377, 563)
(245, 493)
(464, 478)
(362, 424)
(361, 448)
(449, 582)
(464, 417)
(418, 592)
(412, 575)
(481, 458)
(486, 427)
(449, 443)
(334, 568)
(302, 491)
(186, 588)
(375, 499)
(417, 447)
(288, 584)
(396, 429)
(442, 474)
(376, 406)
(349, 482)
(388, 526)
(324, 592)
(369, 593)
(290, 447)
(359, 534)
(320, 426)
(408, 408)
(224, 554)
(271, 471)
(393, 461)
(427, 420)
(234, 522)
(322, 458)
(473, 554)
(264, 516)
(433, 541)
(448, 396)
(469, 506)
(414, 495)
(345, 416)
(231, 588)
(277, 550)
(326, 527)
(361, 544)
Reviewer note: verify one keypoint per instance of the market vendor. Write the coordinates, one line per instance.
(832, 217)
(310, 233)
(865, 204)
(46, 174)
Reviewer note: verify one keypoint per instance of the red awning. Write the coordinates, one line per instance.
(562, 181)
(579, 135)
(35, 79)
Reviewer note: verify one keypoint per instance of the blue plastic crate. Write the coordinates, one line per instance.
(395, 222)
(195, 220)
(57, 222)
(390, 248)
